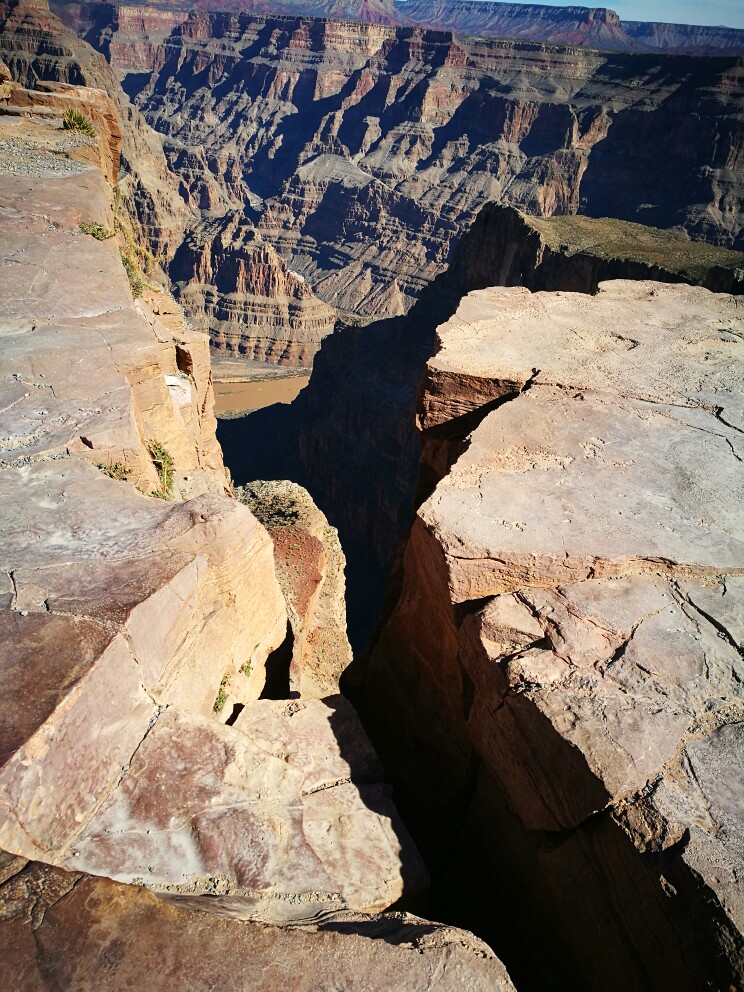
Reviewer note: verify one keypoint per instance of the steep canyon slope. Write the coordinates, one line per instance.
(593, 27)
(362, 152)
(135, 590)
(561, 674)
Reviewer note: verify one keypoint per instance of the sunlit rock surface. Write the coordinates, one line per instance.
(70, 930)
(136, 590)
(570, 610)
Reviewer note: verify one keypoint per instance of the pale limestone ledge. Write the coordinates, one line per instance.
(121, 614)
(617, 446)
(639, 340)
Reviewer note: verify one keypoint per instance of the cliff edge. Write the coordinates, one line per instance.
(138, 596)
(564, 662)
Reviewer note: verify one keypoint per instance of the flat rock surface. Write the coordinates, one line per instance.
(624, 454)
(67, 930)
(665, 344)
(284, 814)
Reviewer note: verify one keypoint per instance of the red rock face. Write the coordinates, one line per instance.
(69, 930)
(362, 152)
(549, 593)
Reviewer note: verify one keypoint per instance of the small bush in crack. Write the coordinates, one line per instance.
(163, 462)
(116, 471)
(136, 282)
(97, 231)
(221, 699)
(245, 668)
(73, 120)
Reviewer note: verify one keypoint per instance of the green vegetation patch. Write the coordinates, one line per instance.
(136, 282)
(221, 698)
(607, 237)
(74, 120)
(271, 503)
(115, 471)
(163, 462)
(97, 231)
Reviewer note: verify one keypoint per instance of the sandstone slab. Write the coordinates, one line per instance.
(570, 616)
(282, 816)
(310, 567)
(70, 930)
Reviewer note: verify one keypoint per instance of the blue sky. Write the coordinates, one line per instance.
(729, 12)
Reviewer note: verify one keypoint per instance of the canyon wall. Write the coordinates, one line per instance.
(557, 691)
(230, 280)
(138, 599)
(350, 436)
(362, 152)
(253, 304)
(596, 27)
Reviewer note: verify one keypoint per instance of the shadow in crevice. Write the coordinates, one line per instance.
(367, 774)
(277, 669)
(236, 711)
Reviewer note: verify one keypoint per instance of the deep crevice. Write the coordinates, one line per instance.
(277, 670)
(236, 711)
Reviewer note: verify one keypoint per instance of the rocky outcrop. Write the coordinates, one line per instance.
(127, 35)
(577, 253)
(362, 152)
(54, 99)
(596, 27)
(564, 659)
(38, 48)
(350, 436)
(138, 599)
(230, 280)
(227, 279)
(310, 567)
(68, 930)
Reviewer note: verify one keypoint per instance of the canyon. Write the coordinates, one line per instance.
(596, 27)
(142, 607)
(593, 27)
(523, 475)
(360, 153)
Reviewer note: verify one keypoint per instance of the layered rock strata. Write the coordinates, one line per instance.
(140, 28)
(230, 280)
(260, 309)
(362, 152)
(310, 567)
(597, 27)
(350, 436)
(564, 660)
(38, 48)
